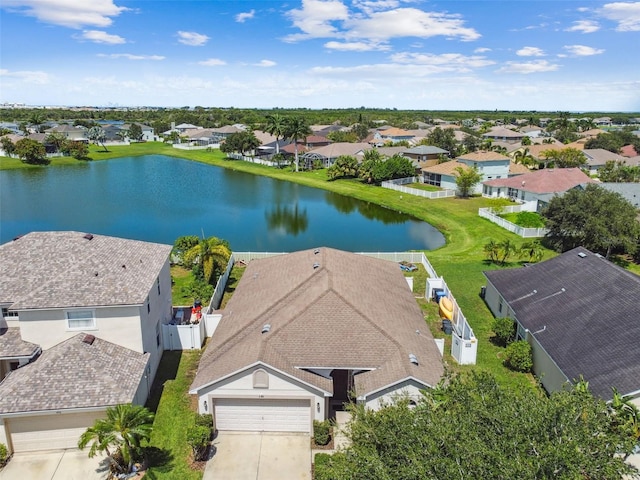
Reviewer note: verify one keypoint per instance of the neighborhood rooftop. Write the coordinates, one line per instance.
(72, 269)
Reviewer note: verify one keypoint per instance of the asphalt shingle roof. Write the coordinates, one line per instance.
(66, 269)
(352, 311)
(547, 180)
(74, 374)
(12, 345)
(586, 313)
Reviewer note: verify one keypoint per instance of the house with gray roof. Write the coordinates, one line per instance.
(630, 191)
(598, 158)
(111, 293)
(425, 155)
(306, 332)
(579, 312)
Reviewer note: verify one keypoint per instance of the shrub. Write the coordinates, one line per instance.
(198, 439)
(505, 330)
(4, 454)
(321, 432)
(204, 420)
(518, 356)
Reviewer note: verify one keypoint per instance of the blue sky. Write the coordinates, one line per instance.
(406, 54)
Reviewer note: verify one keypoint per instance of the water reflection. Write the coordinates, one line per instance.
(368, 210)
(293, 221)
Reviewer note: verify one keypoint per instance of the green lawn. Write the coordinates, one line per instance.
(180, 277)
(424, 186)
(175, 413)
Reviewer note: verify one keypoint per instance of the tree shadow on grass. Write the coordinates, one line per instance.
(158, 460)
(620, 261)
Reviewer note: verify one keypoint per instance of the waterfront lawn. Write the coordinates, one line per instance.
(180, 278)
(424, 186)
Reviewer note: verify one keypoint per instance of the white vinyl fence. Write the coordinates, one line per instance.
(398, 186)
(490, 215)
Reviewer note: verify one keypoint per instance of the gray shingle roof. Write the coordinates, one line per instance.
(65, 269)
(12, 345)
(74, 374)
(352, 311)
(589, 314)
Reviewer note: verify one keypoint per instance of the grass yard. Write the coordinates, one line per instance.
(525, 219)
(423, 186)
(174, 414)
(180, 277)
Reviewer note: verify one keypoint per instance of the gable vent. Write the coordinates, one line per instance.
(266, 328)
(88, 339)
(88, 236)
(413, 359)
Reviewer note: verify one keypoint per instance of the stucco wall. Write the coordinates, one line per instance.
(544, 368)
(280, 386)
(408, 388)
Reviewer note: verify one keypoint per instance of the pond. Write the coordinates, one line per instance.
(159, 198)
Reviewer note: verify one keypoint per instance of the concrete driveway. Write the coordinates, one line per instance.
(260, 456)
(54, 465)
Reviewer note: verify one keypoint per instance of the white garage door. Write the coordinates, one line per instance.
(49, 432)
(262, 415)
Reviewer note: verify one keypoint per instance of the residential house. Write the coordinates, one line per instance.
(329, 153)
(425, 155)
(80, 331)
(11, 127)
(148, 133)
(490, 165)
(390, 135)
(630, 191)
(536, 186)
(579, 312)
(532, 131)
(504, 135)
(69, 132)
(598, 158)
(307, 332)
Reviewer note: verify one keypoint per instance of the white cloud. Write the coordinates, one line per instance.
(530, 52)
(536, 66)
(453, 61)
(25, 76)
(244, 16)
(265, 63)
(192, 39)
(409, 22)
(584, 26)
(357, 46)
(482, 50)
(627, 14)
(212, 62)
(582, 50)
(68, 13)
(98, 36)
(373, 23)
(315, 17)
(130, 56)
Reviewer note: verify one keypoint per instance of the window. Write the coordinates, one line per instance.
(500, 306)
(158, 334)
(260, 379)
(7, 313)
(80, 320)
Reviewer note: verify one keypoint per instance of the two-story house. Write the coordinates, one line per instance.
(81, 327)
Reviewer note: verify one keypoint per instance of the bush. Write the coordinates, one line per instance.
(505, 330)
(518, 356)
(321, 432)
(4, 454)
(198, 439)
(204, 420)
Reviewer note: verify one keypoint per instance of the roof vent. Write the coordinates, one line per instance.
(88, 339)
(316, 265)
(88, 236)
(316, 251)
(413, 359)
(582, 254)
(266, 328)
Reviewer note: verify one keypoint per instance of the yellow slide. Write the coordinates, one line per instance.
(446, 308)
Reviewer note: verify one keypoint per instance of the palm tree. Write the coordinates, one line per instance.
(507, 248)
(492, 250)
(531, 250)
(524, 157)
(97, 135)
(296, 128)
(56, 139)
(210, 256)
(276, 126)
(124, 428)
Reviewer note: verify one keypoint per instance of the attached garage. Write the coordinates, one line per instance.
(262, 415)
(48, 432)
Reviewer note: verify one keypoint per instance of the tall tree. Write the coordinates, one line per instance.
(594, 218)
(97, 136)
(296, 129)
(125, 427)
(276, 126)
(508, 433)
(565, 158)
(135, 132)
(240, 142)
(31, 151)
(208, 258)
(443, 138)
(57, 140)
(466, 179)
(8, 146)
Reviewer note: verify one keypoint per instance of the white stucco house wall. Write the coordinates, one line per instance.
(490, 165)
(307, 332)
(66, 295)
